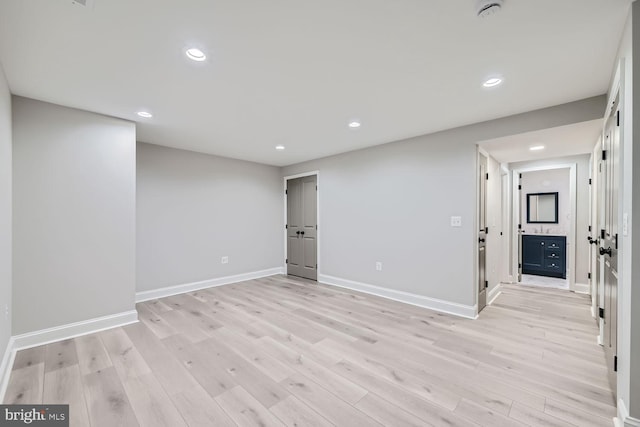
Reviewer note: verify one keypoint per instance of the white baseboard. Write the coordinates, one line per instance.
(58, 333)
(494, 293)
(196, 286)
(72, 330)
(624, 419)
(468, 311)
(5, 367)
(631, 422)
(581, 288)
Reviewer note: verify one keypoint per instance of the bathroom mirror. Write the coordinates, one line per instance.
(542, 208)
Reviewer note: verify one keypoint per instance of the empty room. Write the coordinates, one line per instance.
(351, 213)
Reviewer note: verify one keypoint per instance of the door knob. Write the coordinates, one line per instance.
(604, 251)
(302, 232)
(298, 232)
(480, 240)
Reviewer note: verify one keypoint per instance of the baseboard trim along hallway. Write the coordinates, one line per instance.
(623, 419)
(581, 288)
(494, 293)
(6, 366)
(210, 283)
(467, 311)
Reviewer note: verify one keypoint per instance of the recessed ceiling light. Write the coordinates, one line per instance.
(280, 147)
(196, 54)
(492, 82)
(145, 114)
(537, 148)
(354, 124)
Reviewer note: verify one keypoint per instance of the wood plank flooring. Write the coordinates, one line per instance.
(282, 351)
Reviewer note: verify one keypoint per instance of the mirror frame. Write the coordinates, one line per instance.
(528, 208)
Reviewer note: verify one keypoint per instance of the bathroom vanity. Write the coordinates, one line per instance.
(544, 255)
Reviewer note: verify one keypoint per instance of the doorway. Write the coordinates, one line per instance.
(301, 226)
(546, 249)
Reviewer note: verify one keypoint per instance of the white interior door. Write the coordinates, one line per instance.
(609, 239)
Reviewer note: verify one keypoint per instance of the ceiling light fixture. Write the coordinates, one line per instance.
(280, 147)
(492, 82)
(145, 114)
(537, 148)
(196, 54)
(354, 124)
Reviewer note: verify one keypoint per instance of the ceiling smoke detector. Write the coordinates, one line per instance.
(485, 8)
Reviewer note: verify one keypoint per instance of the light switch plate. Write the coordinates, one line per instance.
(456, 221)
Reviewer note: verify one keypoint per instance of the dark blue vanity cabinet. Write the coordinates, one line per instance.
(544, 255)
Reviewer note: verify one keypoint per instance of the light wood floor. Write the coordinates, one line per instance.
(281, 351)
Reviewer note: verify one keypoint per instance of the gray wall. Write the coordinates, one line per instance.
(193, 209)
(393, 203)
(583, 165)
(74, 215)
(5, 212)
(547, 181)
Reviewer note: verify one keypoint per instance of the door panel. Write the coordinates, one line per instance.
(609, 239)
(302, 227)
(482, 232)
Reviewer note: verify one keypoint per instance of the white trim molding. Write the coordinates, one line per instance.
(623, 419)
(582, 288)
(494, 293)
(196, 286)
(58, 333)
(5, 367)
(467, 311)
(72, 330)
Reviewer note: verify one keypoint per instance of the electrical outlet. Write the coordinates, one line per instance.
(378, 266)
(224, 260)
(456, 221)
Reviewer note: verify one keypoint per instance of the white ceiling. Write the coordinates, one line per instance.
(579, 138)
(296, 72)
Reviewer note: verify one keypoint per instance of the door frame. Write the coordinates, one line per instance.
(505, 205)
(284, 224)
(481, 180)
(571, 238)
(594, 222)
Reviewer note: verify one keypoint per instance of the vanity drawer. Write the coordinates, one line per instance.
(551, 244)
(553, 254)
(553, 265)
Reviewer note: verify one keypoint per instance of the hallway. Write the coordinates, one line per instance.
(280, 351)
